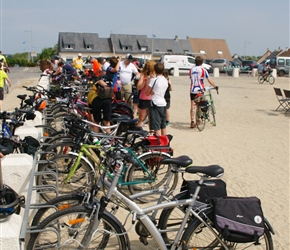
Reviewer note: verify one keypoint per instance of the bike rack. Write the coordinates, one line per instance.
(30, 208)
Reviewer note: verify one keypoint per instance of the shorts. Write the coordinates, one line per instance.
(157, 118)
(167, 103)
(193, 96)
(1, 94)
(144, 104)
(102, 107)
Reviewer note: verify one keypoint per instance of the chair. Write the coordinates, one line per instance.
(287, 99)
(283, 102)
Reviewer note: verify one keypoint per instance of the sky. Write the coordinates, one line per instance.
(250, 27)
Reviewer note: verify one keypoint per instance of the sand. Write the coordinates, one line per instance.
(250, 141)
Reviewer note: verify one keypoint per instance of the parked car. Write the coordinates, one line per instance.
(283, 65)
(234, 64)
(251, 64)
(208, 61)
(221, 63)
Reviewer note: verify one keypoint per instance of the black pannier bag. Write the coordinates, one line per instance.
(30, 145)
(210, 189)
(239, 219)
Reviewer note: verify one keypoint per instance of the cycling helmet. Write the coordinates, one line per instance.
(89, 58)
(10, 202)
(40, 105)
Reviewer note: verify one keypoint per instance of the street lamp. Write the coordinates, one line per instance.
(31, 45)
(153, 36)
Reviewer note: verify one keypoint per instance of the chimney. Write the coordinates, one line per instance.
(187, 37)
(176, 37)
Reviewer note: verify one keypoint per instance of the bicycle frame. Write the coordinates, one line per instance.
(86, 150)
(142, 213)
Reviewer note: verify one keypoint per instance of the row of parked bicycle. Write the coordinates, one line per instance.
(83, 178)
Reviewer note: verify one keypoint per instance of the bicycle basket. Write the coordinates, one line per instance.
(9, 202)
(204, 105)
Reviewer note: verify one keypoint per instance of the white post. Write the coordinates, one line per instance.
(216, 72)
(236, 72)
(274, 73)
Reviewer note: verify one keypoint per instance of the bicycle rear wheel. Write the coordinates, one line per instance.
(144, 182)
(271, 79)
(261, 79)
(200, 119)
(65, 229)
(198, 236)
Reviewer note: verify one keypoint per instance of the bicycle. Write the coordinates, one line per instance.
(76, 172)
(90, 224)
(205, 109)
(268, 78)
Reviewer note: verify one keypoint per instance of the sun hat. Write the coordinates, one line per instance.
(79, 54)
(129, 56)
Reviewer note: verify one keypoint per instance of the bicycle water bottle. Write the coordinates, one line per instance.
(118, 84)
(96, 141)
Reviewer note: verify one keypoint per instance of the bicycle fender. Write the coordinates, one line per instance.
(85, 159)
(150, 152)
(125, 234)
(267, 223)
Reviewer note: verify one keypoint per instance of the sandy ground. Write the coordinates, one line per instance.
(250, 141)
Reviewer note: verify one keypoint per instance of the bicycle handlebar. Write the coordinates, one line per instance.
(211, 87)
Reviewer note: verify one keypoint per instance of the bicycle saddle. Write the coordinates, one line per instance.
(22, 97)
(180, 161)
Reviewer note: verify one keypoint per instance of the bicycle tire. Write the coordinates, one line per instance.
(212, 113)
(56, 204)
(261, 79)
(82, 179)
(159, 172)
(65, 230)
(271, 80)
(197, 235)
(200, 119)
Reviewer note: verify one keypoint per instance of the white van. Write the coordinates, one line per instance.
(182, 62)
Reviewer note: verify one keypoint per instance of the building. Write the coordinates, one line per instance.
(70, 44)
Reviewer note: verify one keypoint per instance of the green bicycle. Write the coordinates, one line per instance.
(205, 109)
(79, 171)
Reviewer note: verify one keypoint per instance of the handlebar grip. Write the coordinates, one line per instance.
(217, 89)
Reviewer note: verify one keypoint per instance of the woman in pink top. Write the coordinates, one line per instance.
(144, 101)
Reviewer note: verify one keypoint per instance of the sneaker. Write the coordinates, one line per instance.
(192, 125)
(167, 123)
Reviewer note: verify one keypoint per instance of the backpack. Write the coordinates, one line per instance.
(92, 94)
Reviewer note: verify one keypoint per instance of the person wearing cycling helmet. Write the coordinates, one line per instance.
(96, 66)
(197, 76)
(266, 69)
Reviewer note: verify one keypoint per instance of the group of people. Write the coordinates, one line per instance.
(150, 88)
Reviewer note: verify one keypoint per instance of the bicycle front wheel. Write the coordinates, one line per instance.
(261, 79)
(271, 79)
(139, 180)
(212, 114)
(198, 236)
(65, 229)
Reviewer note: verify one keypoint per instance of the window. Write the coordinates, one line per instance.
(126, 48)
(219, 52)
(281, 62)
(288, 62)
(68, 46)
(169, 50)
(191, 60)
(185, 51)
(202, 52)
(90, 47)
(144, 48)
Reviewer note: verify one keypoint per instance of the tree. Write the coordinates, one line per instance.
(46, 53)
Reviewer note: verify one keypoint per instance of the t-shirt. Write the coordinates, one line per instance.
(3, 76)
(125, 72)
(197, 76)
(159, 89)
(96, 66)
(78, 63)
(69, 69)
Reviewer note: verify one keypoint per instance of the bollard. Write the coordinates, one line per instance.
(216, 72)
(254, 72)
(176, 71)
(274, 73)
(236, 72)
